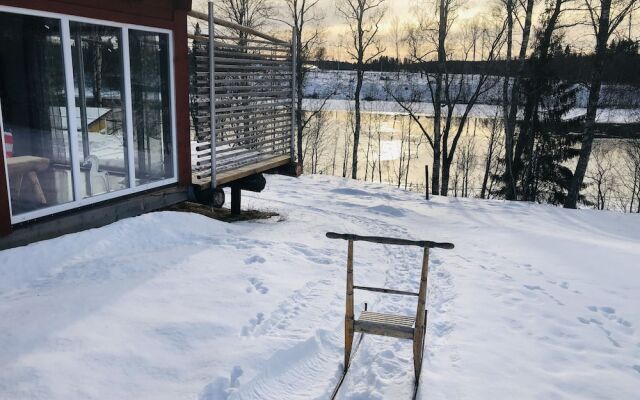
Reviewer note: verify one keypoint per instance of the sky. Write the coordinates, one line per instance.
(334, 27)
(403, 10)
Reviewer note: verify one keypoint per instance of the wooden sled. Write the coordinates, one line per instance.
(397, 326)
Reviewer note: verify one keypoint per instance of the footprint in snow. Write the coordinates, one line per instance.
(253, 323)
(608, 310)
(387, 210)
(610, 313)
(254, 260)
(222, 388)
(236, 373)
(309, 253)
(534, 288)
(258, 285)
(217, 390)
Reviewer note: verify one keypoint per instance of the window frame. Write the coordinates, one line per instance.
(78, 201)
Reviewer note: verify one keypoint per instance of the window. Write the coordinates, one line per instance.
(86, 110)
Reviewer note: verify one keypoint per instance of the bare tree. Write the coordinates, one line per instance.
(510, 97)
(363, 19)
(304, 17)
(252, 13)
(448, 92)
(347, 138)
(373, 126)
(491, 157)
(601, 176)
(404, 160)
(479, 83)
(551, 24)
(468, 159)
(397, 37)
(315, 140)
(631, 159)
(604, 17)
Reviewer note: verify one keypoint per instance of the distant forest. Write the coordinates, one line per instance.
(570, 66)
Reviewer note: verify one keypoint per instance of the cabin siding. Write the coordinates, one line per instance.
(155, 13)
(181, 71)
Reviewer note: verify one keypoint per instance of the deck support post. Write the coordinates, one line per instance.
(418, 333)
(236, 199)
(349, 317)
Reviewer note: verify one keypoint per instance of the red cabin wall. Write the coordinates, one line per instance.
(166, 14)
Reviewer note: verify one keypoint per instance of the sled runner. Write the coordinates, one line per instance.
(397, 326)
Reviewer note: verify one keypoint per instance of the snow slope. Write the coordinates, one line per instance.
(534, 302)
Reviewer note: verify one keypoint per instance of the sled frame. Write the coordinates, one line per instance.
(398, 326)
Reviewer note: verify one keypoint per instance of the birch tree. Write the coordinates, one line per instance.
(363, 18)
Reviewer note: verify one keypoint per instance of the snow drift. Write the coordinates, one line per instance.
(535, 302)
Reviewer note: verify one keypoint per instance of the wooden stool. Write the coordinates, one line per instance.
(30, 166)
(397, 326)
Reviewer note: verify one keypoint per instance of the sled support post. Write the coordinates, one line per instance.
(349, 318)
(419, 331)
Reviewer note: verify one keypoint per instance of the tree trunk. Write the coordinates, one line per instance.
(592, 107)
(512, 112)
(358, 121)
(487, 171)
(300, 95)
(510, 192)
(437, 98)
(488, 161)
(437, 117)
(379, 157)
(366, 158)
(446, 171)
(525, 143)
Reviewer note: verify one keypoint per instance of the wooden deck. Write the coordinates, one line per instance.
(226, 177)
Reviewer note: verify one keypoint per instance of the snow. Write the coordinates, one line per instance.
(376, 85)
(424, 109)
(535, 302)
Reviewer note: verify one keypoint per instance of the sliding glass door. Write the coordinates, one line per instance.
(98, 81)
(34, 112)
(87, 110)
(150, 92)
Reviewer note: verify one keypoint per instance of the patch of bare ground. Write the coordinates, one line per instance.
(222, 214)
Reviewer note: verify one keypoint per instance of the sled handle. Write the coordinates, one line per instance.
(388, 240)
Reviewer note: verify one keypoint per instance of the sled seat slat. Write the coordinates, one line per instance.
(398, 326)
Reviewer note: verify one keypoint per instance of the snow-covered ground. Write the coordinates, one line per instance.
(535, 302)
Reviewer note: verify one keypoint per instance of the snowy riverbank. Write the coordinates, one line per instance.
(604, 115)
(535, 302)
(376, 85)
